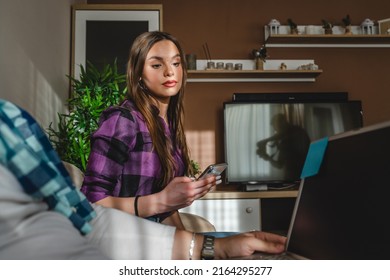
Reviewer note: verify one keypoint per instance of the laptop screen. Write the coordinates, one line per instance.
(344, 209)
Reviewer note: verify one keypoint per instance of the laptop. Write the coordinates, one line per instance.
(342, 211)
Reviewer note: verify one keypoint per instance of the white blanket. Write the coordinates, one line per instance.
(29, 231)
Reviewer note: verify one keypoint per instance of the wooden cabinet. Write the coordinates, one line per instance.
(228, 215)
(236, 211)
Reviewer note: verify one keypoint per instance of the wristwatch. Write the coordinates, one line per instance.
(208, 248)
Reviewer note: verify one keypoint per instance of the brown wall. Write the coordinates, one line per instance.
(232, 28)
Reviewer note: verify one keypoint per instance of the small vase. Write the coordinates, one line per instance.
(259, 64)
(348, 30)
(328, 31)
(294, 31)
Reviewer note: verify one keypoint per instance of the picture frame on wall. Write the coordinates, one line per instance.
(102, 33)
(384, 26)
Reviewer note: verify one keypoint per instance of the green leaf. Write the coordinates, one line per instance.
(92, 93)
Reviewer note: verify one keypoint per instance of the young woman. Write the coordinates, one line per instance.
(44, 216)
(139, 159)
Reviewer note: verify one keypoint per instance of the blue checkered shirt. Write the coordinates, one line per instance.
(26, 151)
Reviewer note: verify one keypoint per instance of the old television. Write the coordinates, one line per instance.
(266, 138)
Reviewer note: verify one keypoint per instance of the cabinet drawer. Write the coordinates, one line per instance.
(233, 215)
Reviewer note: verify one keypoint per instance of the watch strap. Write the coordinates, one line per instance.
(208, 248)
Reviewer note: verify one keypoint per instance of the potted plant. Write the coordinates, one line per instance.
(195, 167)
(293, 26)
(260, 56)
(327, 26)
(347, 24)
(93, 92)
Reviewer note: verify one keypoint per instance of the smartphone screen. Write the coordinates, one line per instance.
(215, 169)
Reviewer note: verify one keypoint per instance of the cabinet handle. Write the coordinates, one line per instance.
(249, 210)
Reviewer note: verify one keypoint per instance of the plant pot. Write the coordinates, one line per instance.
(328, 31)
(294, 30)
(348, 30)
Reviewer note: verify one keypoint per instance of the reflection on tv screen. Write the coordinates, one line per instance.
(268, 142)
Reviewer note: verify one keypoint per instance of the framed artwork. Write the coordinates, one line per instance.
(103, 33)
(384, 26)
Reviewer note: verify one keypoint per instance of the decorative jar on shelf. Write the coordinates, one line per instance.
(260, 56)
(348, 30)
(327, 26)
(259, 63)
(328, 31)
(293, 26)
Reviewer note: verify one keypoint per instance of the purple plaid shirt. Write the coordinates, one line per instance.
(123, 162)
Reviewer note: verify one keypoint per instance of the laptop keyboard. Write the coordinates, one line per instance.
(264, 256)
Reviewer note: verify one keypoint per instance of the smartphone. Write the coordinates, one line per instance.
(215, 169)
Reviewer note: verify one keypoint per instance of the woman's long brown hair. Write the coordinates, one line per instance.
(146, 104)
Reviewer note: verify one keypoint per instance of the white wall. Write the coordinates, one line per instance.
(35, 42)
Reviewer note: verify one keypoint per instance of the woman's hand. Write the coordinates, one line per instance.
(179, 193)
(182, 191)
(246, 244)
(235, 246)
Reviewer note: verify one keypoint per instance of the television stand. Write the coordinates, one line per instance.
(271, 186)
(255, 188)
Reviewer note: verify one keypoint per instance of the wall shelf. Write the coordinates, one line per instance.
(253, 75)
(327, 41)
(271, 72)
(337, 39)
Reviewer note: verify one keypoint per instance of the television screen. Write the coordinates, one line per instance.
(266, 142)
